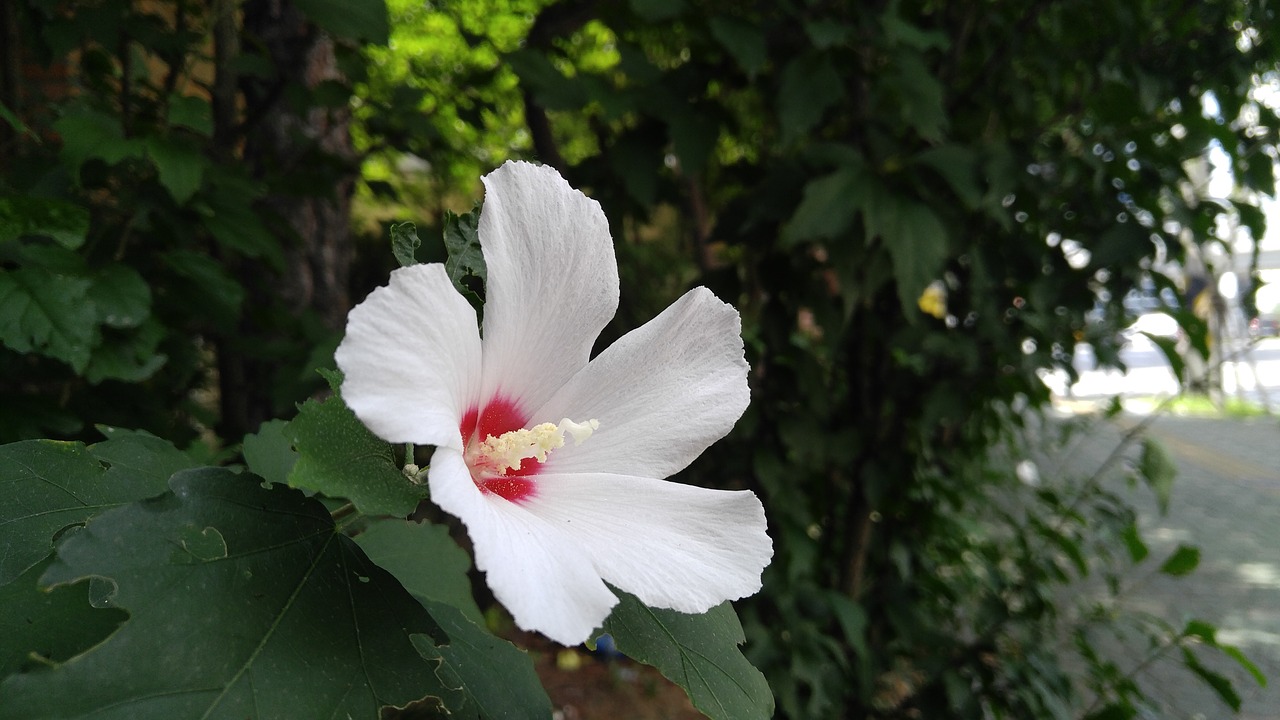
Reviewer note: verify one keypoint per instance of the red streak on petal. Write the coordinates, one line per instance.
(513, 489)
(468, 425)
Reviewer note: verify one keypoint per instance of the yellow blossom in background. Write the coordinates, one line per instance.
(933, 301)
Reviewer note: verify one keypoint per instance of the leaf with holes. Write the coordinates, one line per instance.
(243, 601)
(48, 486)
(697, 652)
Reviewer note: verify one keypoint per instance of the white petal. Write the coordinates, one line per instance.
(552, 284)
(671, 545)
(662, 393)
(548, 584)
(411, 358)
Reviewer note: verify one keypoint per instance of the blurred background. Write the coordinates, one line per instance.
(977, 247)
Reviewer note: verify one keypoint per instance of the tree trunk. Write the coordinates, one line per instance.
(290, 148)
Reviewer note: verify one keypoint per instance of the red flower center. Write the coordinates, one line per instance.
(499, 417)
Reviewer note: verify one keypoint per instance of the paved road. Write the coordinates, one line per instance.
(1226, 500)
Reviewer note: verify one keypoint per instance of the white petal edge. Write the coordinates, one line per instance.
(552, 281)
(671, 545)
(547, 584)
(662, 393)
(411, 358)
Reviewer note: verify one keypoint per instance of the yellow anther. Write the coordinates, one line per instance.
(508, 450)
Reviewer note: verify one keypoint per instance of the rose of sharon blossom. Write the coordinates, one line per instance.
(553, 460)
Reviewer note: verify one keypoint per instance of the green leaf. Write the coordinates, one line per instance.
(1133, 543)
(462, 242)
(243, 602)
(919, 94)
(48, 486)
(65, 223)
(697, 652)
(49, 626)
(426, 561)
(88, 134)
(191, 112)
(120, 296)
(137, 454)
(404, 243)
(47, 313)
(917, 245)
(744, 41)
(1243, 661)
(179, 164)
(497, 678)
(338, 456)
(269, 454)
(14, 121)
(207, 285)
(1158, 471)
(130, 355)
(809, 85)
(654, 11)
(234, 222)
(1183, 560)
(553, 90)
(957, 165)
(831, 203)
(360, 20)
(1219, 683)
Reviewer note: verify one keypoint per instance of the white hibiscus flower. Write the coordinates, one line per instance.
(552, 521)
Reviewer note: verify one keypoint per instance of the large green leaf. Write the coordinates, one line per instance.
(49, 626)
(697, 652)
(244, 602)
(47, 313)
(338, 456)
(47, 486)
(425, 560)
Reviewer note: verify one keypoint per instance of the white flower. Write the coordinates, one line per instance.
(552, 521)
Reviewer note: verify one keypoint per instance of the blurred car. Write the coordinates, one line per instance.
(1263, 326)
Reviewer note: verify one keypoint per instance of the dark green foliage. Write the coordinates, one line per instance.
(821, 166)
(141, 260)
